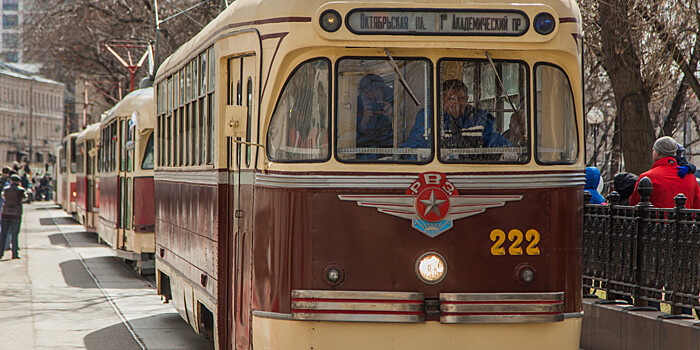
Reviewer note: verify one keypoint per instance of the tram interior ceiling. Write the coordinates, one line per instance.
(644, 255)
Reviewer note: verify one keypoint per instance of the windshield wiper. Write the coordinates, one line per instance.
(500, 82)
(401, 79)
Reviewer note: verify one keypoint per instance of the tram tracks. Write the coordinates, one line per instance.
(106, 295)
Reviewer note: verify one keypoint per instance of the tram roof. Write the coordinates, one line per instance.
(244, 13)
(73, 134)
(92, 132)
(138, 103)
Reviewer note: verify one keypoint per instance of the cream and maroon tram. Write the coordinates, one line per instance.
(126, 216)
(377, 175)
(66, 183)
(87, 186)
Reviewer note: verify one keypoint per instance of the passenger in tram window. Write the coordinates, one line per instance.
(517, 130)
(463, 125)
(375, 110)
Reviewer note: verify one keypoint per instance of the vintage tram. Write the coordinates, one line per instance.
(87, 184)
(66, 182)
(380, 175)
(126, 215)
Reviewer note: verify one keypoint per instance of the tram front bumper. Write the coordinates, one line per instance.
(272, 333)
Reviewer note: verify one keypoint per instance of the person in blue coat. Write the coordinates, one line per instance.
(462, 125)
(593, 180)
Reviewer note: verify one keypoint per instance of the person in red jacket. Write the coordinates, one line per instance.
(667, 179)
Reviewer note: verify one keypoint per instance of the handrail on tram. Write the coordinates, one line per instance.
(266, 162)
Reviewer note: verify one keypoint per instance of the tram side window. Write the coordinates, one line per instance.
(79, 159)
(62, 159)
(483, 109)
(299, 127)
(380, 101)
(555, 122)
(211, 111)
(147, 163)
(73, 163)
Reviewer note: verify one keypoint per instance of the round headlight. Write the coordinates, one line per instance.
(333, 275)
(525, 274)
(330, 20)
(544, 23)
(431, 268)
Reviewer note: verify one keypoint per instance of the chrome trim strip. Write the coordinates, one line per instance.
(501, 308)
(500, 297)
(212, 177)
(272, 315)
(358, 317)
(357, 306)
(507, 181)
(569, 315)
(209, 177)
(356, 295)
(502, 318)
(343, 305)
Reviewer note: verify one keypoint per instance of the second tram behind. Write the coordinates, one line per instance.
(66, 182)
(87, 184)
(379, 175)
(126, 215)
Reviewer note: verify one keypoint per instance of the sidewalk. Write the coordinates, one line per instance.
(69, 292)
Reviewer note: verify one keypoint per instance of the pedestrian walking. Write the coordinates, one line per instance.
(667, 178)
(11, 214)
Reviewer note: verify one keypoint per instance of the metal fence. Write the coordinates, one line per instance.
(643, 254)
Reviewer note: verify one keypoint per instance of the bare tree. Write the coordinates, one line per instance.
(68, 37)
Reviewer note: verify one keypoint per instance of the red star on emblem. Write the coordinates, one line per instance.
(432, 204)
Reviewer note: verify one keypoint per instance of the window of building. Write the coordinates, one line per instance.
(10, 21)
(10, 5)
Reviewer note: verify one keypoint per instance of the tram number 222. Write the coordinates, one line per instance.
(516, 239)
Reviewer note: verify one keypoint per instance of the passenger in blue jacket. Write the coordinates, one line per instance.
(463, 125)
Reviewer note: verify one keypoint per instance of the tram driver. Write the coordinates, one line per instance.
(463, 125)
(375, 110)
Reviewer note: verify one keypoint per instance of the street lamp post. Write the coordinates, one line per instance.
(595, 117)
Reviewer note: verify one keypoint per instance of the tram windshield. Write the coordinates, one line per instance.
(381, 110)
(483, 111)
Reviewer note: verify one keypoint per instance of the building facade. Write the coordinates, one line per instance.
(31, 116)
(10, 30)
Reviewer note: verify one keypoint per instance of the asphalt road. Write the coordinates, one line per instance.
(69, 292)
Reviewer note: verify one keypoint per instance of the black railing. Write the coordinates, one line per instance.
(643, 254)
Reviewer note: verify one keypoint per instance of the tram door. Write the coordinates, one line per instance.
(89, 182)
(242, 88)
(123, 184)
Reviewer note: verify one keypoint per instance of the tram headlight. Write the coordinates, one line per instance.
(525, 274)
(333, 274)
(544, 23)
(431, 268)
(331, 20)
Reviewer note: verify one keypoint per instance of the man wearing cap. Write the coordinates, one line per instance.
(375, 110)
(666, 179)
(12, 214)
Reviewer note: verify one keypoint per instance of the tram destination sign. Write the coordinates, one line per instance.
(437, 22)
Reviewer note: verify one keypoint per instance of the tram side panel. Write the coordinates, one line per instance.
(81, 199)
(186, 242)
(143, 240)
(109, 210)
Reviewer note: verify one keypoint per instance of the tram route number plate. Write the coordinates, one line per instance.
(437, 22)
